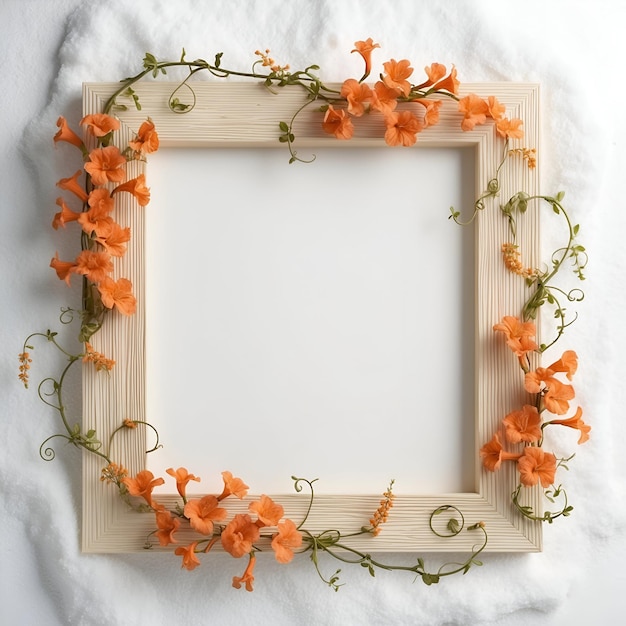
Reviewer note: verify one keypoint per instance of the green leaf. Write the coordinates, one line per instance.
(430, 579)
(283, 126)
(560, 196)
(218, 59)
(182, 56)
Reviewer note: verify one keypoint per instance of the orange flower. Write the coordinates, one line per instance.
(247, 577)
(337, 122)
(167, 525)
(557, 395)
(435, 72)
(101, 200)
(96, 220)
(286, 540)
(475, 111)
(509, 128)
(524, 425)
(384, 99)
(105, 165)
(239, 535)
(118, 294)
(190, 560)
(232, 486)
(496, 110)
(431, 113)
(576, 422)
(147, 139)
(62, 268)
(100, 124)
(535, 466)
(94, 265)
(568, 363)
(450, 83)
(402, 128)
(64, 216)
(533, 381)
(519, 335)
(142, 485)
(114, 241)
(65, 133)
(97, 358)
(71, 184)
(203, 512)
(182, 477)
(396, 75)
(364, 48)
(136, 187)
(493, 454)
(357, 95)
(268, 511)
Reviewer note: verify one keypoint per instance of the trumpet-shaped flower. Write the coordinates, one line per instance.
(71, 184)
(568, 363)
(64, 216)
(396, 75)
(268, 511)
(142, 485)
(232, 486)
(492, 454)
(402, 128)
(435, 72)
(118, 294)
(114, 241)
(364, 48)
(100, 124)
(247, 579)
(384, 99)
(337, 122)
(147, 139)
(203, 512)
(167, 525)
(557, 395)
(357, 95)
(105, 165)
(136, 187)
(535, 466)
(450, 83)
(62, 268)
(524, 425)
(182, 477)
(286, 540)
(431, 110)
(65, 133)
(519, 335)
(576, 422)
(239, 535)
(190, 560)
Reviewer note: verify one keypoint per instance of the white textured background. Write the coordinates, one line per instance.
(573, 48)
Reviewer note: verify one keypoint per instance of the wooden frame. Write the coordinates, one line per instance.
(246, 115)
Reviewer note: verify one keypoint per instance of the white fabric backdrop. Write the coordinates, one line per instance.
(571, 47)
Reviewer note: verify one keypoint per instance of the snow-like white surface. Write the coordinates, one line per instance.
(571, 47)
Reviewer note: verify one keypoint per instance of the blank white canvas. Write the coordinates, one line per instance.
(312, 319)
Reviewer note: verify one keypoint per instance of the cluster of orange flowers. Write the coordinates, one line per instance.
(106, 239)
(525, 426)
(237, 537)
(513, 261)
(403, 126)
(382, 512)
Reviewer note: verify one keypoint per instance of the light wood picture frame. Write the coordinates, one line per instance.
(244, 116)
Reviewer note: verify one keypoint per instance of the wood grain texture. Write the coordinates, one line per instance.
(246, 115)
